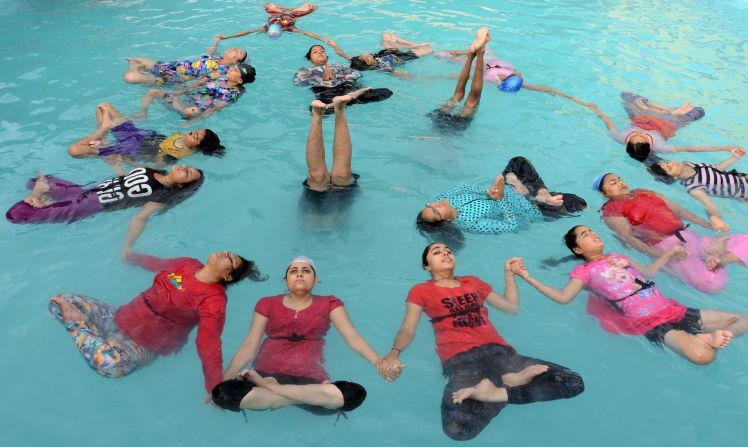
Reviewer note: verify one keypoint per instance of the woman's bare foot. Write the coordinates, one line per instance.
(544, 196)
(68, 311)
(513, 181)
(713, 262)
(481, 39)
(525, 376)
(718, 339)
(484, 391)
(38, 197)
(682, 110)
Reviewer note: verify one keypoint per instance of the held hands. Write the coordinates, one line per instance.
(719, 224)
(516, 266)
(737, 151)
(221, 36)
(496, 191)
(390, 367)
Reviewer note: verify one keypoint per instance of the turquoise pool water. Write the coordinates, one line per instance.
(63, 58)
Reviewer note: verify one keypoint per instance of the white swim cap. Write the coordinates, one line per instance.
(302, 259)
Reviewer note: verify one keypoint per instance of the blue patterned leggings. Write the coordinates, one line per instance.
(105, 348)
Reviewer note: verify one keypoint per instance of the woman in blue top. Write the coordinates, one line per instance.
(498, 209)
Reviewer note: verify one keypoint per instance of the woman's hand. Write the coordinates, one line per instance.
(737, 151)
(221, 36)
(719, 224)
(390, 367)
(496, 190)
(677, 253)
(516, 266)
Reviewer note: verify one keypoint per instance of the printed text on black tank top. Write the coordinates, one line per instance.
(134, 184)
(464, 310)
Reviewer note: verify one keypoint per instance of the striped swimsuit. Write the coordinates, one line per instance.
(716, 182)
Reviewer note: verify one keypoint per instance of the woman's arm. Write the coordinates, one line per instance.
(509, 303)
(138, 223)
(239, 34)
(684, 213)
(712, 211)
(248, 349)
(353, 339)
(390, 367)
(338, 50)
(606, 119)
(651, 270)
(192, 86)
(553, 91)
(737, 155)
(705, 148)
(212, 49)
(622, 227)
(563, 296)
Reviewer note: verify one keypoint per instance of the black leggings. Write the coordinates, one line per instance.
(528, 176)
(325, 94)
(466, 420)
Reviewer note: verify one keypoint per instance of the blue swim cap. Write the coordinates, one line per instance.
(274, 31)
(512, 84)
(597, 184)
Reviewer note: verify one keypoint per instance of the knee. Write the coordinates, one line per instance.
(319, 176)
(459, 431)
(75, 151)
(111, 362)
(574, 385)
(353, 394)
(229, 394)
(702, 355)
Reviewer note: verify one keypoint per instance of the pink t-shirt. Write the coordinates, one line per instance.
(614, 279)
(295, 339)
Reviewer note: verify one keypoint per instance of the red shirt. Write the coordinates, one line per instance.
(161, 318)
(652, 220)
(295, 338)
(459, 318)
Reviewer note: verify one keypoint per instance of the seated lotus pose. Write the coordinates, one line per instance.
(626, 302)
(280, 18)
(652, 125)
(328, 80)
(54, 200)
(148, 71)
(133, 144)
(498, 209)
(451, 118)
(210, 96)
(185, 293)
(651, 223)
(288, 365)
(484, 372)
(395, 51)
(702, 180)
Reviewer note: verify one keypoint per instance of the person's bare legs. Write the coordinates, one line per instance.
(106, 118)
(718, 256)
(476, 86)
(700, 349)
(148, 98)
(137, 66)
(318, 177)
(394, 41)
(462, 80)
(342, 149)
(712, 320)
(324, 395)
(486, 391)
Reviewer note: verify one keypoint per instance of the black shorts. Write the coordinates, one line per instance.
(449, 122)
(325, 94)
(335, 199)
(691, 323)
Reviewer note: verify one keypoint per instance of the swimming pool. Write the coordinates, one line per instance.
(63, 58)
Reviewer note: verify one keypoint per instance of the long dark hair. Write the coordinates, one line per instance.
(174, 195)
(659, 173)
(247, 269)
(211, 145)
(440, 232)
(570, 240)
(638, 151)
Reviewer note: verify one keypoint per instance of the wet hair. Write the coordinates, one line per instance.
(174, 195)
(659, 173)
(570, 240)
(638, 151)
(248, 73)
(308, 55)
(244, 58)
(359, 64)
(425, 254)
(440, 232)
(572, 204)
(247, 269)
(211, 144)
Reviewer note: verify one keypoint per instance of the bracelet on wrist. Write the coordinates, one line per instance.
(399, 351)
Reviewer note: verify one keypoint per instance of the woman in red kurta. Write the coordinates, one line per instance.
(185, 293)
(288, 365)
